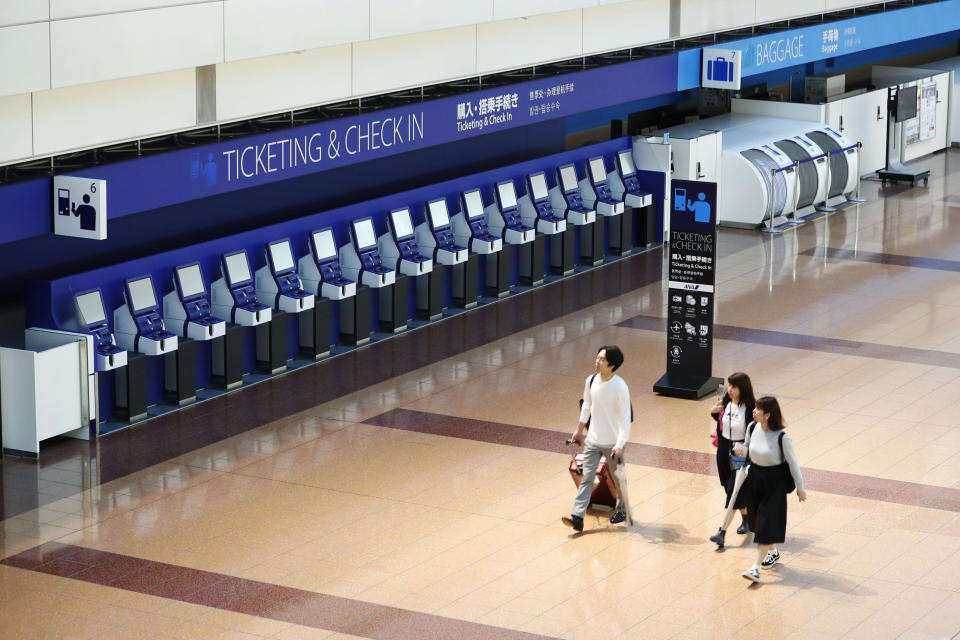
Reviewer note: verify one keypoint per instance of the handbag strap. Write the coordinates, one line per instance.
(783, 458)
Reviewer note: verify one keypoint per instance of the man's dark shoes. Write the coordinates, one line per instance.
(573, 521)
(718, 537)
(619, 516)
(744, 527)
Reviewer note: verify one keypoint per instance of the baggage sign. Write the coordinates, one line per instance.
(720, 68)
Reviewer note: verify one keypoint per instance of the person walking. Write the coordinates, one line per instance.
(733, 411)
(773, 471)
(606, 409)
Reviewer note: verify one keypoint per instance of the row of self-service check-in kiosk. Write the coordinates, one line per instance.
(442, 246)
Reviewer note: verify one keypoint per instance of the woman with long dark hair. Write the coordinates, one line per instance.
(732, 412)
(773, 464)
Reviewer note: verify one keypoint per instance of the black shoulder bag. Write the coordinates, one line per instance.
(790, 485)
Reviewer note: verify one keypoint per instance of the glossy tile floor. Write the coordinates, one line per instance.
(413, 489)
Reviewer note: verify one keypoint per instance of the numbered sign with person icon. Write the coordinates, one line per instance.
(80, 207)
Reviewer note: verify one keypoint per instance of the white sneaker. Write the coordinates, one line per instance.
(773, 557)
(752, 574)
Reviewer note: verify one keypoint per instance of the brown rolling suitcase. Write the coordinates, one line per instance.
(604, 491)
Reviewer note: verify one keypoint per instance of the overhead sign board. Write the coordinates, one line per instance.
(720, 68)
(80, 207)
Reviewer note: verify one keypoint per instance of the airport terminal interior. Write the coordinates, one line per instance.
(406, 478)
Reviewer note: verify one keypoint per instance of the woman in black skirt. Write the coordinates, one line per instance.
(732, 412)
(769, 448)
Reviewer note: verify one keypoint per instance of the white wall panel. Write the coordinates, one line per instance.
(266, 27)
(277, 83)
(399, 17)
(772, 10)
(423, 58)
(24, 58)
(618, 26)
(76, 8)
(516, 43)
(15, 128)
(703, 16)
(94, 114)
(137, 43)
(22, 11)
(506, 9)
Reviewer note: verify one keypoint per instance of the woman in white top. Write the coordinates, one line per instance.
(769, 449)
(732, 412)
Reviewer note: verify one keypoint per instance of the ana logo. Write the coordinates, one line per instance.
(203, 168)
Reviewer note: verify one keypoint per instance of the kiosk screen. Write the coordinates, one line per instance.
(538, 182)
(402, 225)
(366, 237)
(598, 170)
(438, 213)
(281, 256)
(237, 268)
(91, 308)
(325, 246)
(191, 280)
(141, 294)
(474, 203)
(508, 197)
(906, 104)
(568, 176)
(626, 163)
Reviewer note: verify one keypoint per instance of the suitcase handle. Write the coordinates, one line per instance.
(572, 441)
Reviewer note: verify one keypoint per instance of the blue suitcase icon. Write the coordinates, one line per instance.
(720, 70)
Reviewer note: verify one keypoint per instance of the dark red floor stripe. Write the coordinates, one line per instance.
(835, 482)
(251, 597)
(811, 343)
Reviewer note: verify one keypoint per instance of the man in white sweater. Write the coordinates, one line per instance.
(606, 411)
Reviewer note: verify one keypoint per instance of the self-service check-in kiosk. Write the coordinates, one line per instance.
(399, 248)
(470, 229)
(322, 273)
(436, 237)
(93, 320)
(597, 194)
(130, 383)
(138, 324)
(186, 311)
(537, 209)
(638, 204)
(579, 214)
(140, 330)
(278, 285)
(361, 262)
(400, 245)
(505, 219)
(234, 297)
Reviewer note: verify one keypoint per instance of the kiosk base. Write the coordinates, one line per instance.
(904, 174)
(620, 233)
(498, 272)
(531, 261)
(645, 222)
(131, 388)
(430, 294)
(272, 344)
(393, 306)
(465, 285)
(314, 328)
(562, 252)
(591, 244)
(687, 386)
(227, 358)
(355, 318)
(180, 373)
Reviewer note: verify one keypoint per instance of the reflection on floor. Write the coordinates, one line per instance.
(413, 489)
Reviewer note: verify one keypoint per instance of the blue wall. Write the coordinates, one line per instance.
(48, 256)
